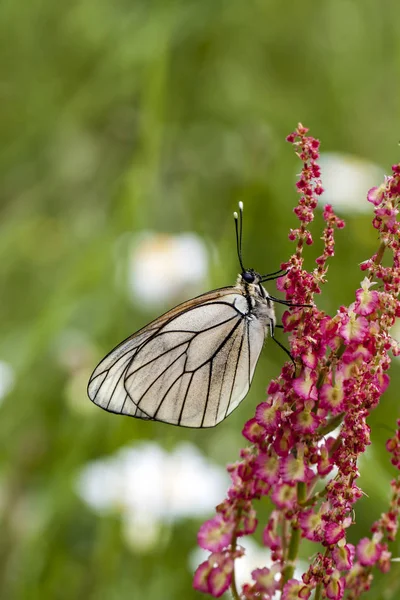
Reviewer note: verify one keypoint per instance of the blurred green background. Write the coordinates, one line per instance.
(130, 116)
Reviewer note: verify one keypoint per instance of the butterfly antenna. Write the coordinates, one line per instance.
(274, 275)
(288, 303)
(239, 230)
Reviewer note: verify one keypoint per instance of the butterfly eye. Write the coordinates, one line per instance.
(248, 276)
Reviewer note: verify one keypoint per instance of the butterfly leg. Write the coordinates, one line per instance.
(272, 327)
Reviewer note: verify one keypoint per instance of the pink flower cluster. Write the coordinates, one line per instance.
(298, 457)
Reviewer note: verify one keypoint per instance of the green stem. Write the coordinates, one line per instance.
(294, 544)
(379, 257)
(284, 535)
(314, 498)
(318, 591)
(301, 492)
(295, 538)
(234, 590)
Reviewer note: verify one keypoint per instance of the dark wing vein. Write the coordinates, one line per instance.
(184, 398)
(248, 353)
(157, 378)
(156, 358)
(208, 393)
(223, 376)
(234, 378)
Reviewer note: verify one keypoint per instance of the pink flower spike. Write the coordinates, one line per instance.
(368, 552)
(367, 300)
(215, 534)
(304, 385)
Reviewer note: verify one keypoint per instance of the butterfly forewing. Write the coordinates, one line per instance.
(190, 367)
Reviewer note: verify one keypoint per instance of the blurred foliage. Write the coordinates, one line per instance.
(159, 114)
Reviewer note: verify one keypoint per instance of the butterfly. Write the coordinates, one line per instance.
(193, 365)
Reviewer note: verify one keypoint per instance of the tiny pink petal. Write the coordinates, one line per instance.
(294, 589)
(367, 301)
(200, 579)
(376, 194)
(332, 397)
(284, 495)
(215, 534)
(253, 432)
(304, 385)
(265, 579)
(311, 525)
(354, 329)
(284, 441)
(368, 552)
(343, 556)
(335, 588)
(219, 581)
(304, 421)
(333, 533)
(268, 416)
(382, 381)
(267, 468)
(294, 469)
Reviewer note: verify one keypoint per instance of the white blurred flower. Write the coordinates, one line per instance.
(255, 557)
(149, 485)
(346, 180)
(163, 266)
(7, 379)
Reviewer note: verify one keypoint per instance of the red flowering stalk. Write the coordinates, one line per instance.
(296, 459)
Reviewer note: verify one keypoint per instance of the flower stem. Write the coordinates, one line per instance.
(234, 591)
(310, 501)
(318, 592)
(294, 544)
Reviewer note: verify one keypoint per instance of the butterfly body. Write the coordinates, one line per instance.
(193, 365)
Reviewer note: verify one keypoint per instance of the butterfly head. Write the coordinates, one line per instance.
(250, 276)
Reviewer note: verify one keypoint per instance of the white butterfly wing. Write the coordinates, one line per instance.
(191, 367)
